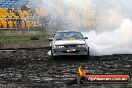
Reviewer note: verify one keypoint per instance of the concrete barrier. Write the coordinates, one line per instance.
(24, 33)
(24, 44)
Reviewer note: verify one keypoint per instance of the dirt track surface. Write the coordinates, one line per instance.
(33, 68)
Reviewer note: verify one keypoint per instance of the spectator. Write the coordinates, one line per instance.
(19, 22)
(25, 20)
(14, 21)
(16, 12)
(9, 10)
(7, 19)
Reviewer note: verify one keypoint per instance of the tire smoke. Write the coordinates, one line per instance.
(109, 27)
(111, 42)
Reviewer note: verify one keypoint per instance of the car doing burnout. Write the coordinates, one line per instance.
(68, 43)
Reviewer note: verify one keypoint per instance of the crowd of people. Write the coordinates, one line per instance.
(12, 18)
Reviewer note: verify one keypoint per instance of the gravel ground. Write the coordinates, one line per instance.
(33, 68)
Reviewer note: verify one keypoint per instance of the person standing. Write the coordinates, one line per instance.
(14, 21)
(25, 20)
(19, 22)
(7, 19)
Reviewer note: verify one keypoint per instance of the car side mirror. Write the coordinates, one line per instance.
(86, 38)
(50, 39)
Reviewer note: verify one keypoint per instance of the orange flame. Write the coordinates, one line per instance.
(81, 71)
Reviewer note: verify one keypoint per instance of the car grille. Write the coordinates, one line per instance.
(70, 46)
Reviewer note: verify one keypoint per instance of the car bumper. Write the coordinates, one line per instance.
(70, 51)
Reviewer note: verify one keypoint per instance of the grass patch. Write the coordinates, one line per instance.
(21, 38)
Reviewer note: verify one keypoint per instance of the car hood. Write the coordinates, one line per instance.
(68, 42)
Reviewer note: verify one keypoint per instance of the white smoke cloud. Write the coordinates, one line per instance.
(113, 31)
(109, 13)
(112, 42)
(82, 4)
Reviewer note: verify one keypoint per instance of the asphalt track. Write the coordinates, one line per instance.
(34, 68)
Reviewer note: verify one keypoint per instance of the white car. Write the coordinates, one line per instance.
(68, 43)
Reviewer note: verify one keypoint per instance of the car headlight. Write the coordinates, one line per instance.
(58, 46)
(81, 45)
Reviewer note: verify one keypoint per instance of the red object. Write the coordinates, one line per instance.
(108, 78)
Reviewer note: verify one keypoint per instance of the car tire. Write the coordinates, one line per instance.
(88, 53)
(52, 54)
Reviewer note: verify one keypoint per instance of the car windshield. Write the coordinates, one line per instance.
(68, 35)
